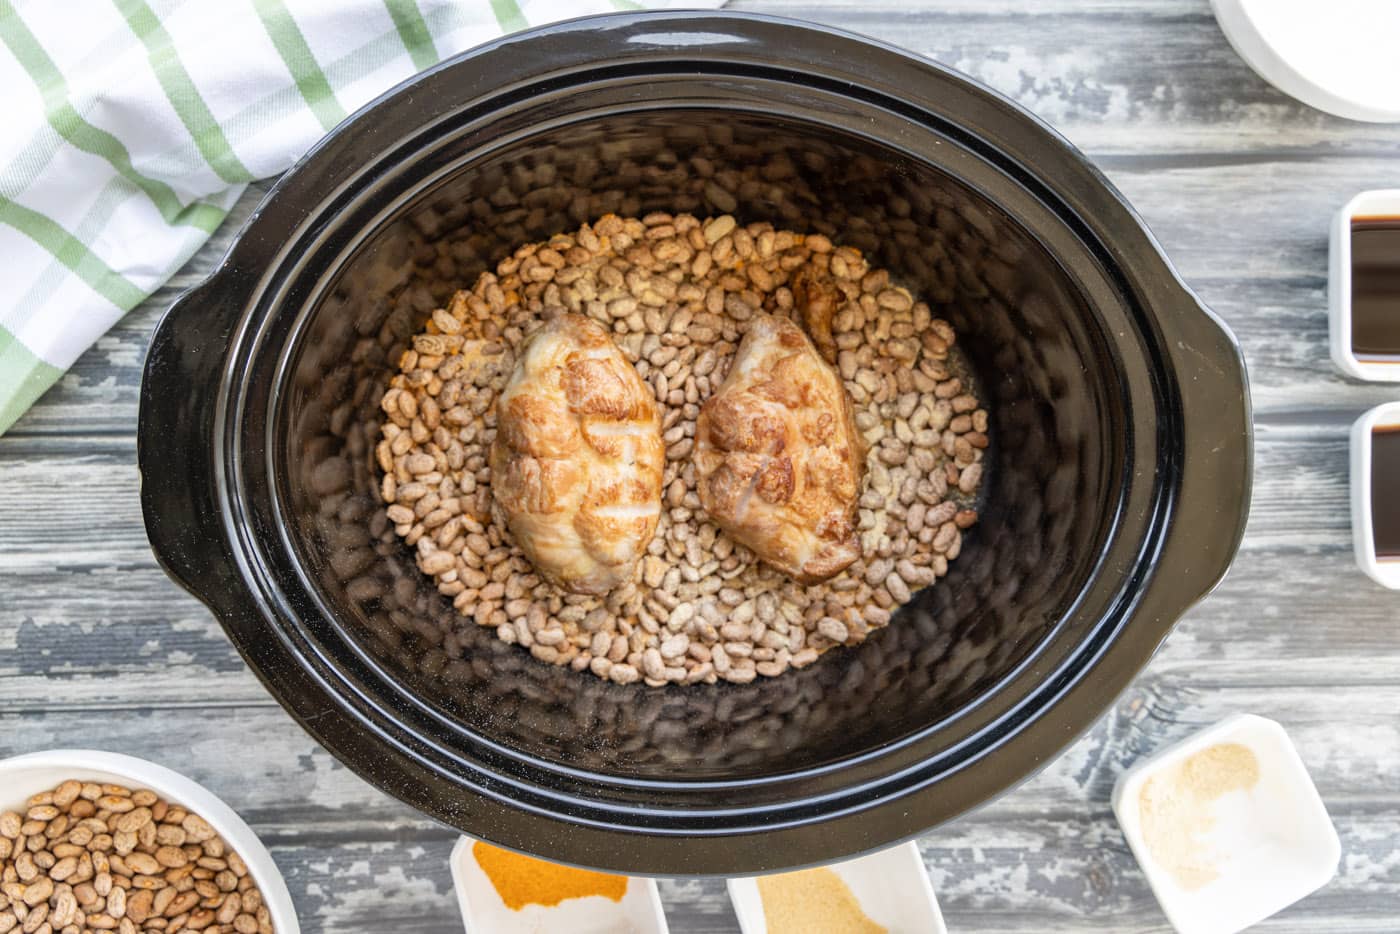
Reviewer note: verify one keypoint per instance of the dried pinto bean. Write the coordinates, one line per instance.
(677, 292)
(114, 859)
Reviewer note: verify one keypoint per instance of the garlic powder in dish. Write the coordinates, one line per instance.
(1175, 809)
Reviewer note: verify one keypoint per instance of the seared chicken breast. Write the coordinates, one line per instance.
(777, 457)
(577, 463)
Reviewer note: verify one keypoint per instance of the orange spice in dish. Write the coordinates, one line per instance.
(523, 880)
(812, 900)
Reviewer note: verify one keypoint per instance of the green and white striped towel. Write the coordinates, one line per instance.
(130, 127)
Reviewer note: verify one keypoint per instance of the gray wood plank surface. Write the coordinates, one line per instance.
(98, 648)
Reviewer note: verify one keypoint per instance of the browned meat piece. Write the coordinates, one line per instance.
(577, 462)
(777, 456)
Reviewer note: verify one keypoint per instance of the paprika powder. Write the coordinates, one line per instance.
(523, 880)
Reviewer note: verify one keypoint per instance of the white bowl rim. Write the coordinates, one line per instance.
(1237, 19)
(187, 793)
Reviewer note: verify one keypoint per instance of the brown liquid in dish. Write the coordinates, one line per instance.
(1385, 490)
(1375, 287)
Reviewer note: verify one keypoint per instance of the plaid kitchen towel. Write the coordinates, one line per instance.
(130, 127)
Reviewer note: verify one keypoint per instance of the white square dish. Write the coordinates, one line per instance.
(892, 887)
(1274, 840)
(483, 911)
(1379, 202)
(1384, 570)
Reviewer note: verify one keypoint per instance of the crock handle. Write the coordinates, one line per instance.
(1218, 455)
(174, 439)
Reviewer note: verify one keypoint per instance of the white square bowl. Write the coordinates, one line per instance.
(1385, 571)
(892, 887)
(1276, 841)
(483, 911)
(1379, 202)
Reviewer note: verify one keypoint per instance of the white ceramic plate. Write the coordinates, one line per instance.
(30, 774)
(892, 887)
(483, 911)
(1385, 572)
(1335, 55)
(1379, 203)
(1276, 841)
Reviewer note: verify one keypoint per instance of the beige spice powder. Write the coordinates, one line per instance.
(812, 900)
(1175, 809)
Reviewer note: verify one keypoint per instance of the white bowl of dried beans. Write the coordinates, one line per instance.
(102, 841)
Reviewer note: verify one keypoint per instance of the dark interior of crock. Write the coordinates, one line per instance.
(1054, 469)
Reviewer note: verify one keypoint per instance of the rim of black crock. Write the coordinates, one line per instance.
(869, 816)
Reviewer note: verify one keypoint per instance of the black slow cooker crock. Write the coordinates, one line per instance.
(1116, 488)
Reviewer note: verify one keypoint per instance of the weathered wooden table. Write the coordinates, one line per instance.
(98, 648)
